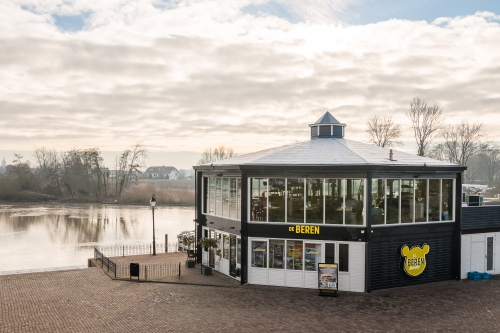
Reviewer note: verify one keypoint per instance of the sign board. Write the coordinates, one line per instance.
(414, 261)
(328, 277)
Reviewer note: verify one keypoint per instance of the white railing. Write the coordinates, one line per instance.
(135, 249)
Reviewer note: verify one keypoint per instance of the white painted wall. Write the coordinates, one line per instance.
(473, 253)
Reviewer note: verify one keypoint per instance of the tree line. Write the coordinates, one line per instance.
(76, 173)
(462, 143)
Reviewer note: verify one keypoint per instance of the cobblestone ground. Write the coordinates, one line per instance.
(89, 301)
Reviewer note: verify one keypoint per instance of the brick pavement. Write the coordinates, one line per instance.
(89, 301)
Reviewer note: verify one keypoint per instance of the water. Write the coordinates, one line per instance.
(49, 236)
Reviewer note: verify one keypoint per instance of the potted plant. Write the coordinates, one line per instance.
(188, 241)
(207, 243)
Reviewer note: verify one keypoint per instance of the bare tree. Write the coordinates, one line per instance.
(490, 161)
(218, 154)
(462, 141)
(383, 131)
(129, 162)
(426, 121)
(49, 166)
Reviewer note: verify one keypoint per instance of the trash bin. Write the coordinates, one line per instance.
(134, 269)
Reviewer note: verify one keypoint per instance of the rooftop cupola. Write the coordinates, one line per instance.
(327, 127)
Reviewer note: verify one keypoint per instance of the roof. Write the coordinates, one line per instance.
(160, 169)
(327, 119)
(330, 152)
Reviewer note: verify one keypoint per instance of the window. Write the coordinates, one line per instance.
(225, 197)
(447, 200)
(354, 202)
(225, 247)
(334, 201)
(259, 254)
(277, 199)
(222, 196)
(232, 199)
(312, 256)
(294, 255)
(314, 201)
(295, 210)
(218, 196)
(238, 250)
(378, 201)
(276, 250)
(434, 199)
(407, 200)
(211, 195)
(421, 196)
(392, 203)
(258, 189)
(343, 257)
(238, 198)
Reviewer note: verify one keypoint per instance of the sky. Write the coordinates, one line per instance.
(181, 76)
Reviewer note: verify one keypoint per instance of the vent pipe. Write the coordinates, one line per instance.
(390, 155)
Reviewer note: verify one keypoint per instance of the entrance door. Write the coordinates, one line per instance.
(489, 253)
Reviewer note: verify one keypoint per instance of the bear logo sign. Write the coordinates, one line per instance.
(414, 259)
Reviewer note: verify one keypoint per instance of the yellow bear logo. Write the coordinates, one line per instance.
(414, 259)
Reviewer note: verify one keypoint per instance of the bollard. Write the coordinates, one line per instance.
(166, 243)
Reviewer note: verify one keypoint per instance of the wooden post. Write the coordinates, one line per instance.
(166, 243)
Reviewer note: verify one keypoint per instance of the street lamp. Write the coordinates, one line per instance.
(152, 202)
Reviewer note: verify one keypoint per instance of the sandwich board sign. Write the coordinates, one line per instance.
(328, 279)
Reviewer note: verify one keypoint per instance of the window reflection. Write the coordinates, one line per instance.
(447, 200)
(334, 201)
(392, 197)
(354, 202)
(276, 251)
(218, 196)
(277, 199)
(434, 199)
(421, 200)
(232, 199)
(294, 254)
(314, 201)
(259, 199)
(295, 200)
(225, 197)
(211, 195)
(406, 200)
(378, 201)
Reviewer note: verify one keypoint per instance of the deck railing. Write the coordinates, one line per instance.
(134, 249)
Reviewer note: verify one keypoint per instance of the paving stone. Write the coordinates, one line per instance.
(90, 301)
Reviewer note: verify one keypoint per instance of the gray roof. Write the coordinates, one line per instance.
(330, 152)
(327, 118)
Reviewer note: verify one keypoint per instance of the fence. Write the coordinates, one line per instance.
(133, 249)
(104, 261)
(152, 271)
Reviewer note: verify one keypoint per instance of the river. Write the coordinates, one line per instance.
(51, 236)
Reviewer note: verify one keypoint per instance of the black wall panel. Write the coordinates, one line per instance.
(482, 217)
(386, 258)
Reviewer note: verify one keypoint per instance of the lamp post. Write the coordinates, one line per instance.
(152, 202)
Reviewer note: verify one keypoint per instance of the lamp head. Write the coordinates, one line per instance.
(152, 201)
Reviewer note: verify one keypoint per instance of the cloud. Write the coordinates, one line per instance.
(186, 75)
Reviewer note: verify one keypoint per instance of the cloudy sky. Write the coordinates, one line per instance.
(184, 75)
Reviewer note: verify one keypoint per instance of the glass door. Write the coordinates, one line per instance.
(232, 255)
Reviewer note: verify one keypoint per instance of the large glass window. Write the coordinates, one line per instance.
(407, 201)
(392, 197)
(314, 201)
(211, 195)
(258, 210)
(447, 200)
(232, 249)
(312, 256)
(421, 200)
(354, 201)
(225, 197)
(238, 198)
(276, 253)
(295, 212)
(378, 201)
(238, 250)
(218, 196)
(334, 201)
(277, 199)
(232, 199)
(434, 199)
(294, 255)
(259, 254)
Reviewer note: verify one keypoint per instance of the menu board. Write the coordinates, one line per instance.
(328, 277)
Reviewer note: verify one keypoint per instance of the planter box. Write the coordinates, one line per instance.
(207, 270)
(486, 276)
(190, 263)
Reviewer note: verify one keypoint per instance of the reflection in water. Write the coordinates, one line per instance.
(56, 235)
